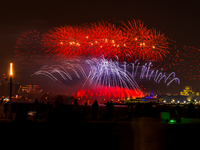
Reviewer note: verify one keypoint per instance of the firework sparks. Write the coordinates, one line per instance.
(68, 67)
(65, 41)
(109, 74)
(122, 42)
(29, 47)
(107, 78)
(106, 39)
(96, 39)
(143, 43)
(185, 61)
(189, 65)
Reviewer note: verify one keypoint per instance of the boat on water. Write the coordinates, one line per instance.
(146, 99)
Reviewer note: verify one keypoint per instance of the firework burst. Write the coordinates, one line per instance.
(189, 65)
(107, 73)
(144, 43)
(65, 41)
(106, 39)
(29, 47)
(96, 39)
(128, 42)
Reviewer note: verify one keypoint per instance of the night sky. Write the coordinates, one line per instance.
(178, 20)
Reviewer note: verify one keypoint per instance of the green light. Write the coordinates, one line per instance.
(172, 121)
(165, 115)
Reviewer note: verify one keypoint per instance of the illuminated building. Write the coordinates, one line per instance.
(29, 92)
(191, 95)
(186, 95)
(33, 89)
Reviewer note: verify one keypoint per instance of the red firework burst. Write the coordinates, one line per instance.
(29, 47)
(171, 59)
(65, 41)
(185, 61)
(190, 66)
(96, 39)
(143, 43)
(105, 38)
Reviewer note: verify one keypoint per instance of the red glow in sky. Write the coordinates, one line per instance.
(110, 93)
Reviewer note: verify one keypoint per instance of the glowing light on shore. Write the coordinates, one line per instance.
(11, 69)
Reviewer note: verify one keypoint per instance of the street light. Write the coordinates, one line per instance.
(11, 74)
(11, 69)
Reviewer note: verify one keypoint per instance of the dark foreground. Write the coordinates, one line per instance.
(139, 133)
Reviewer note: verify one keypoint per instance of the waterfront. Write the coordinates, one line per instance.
(139, 133)
(70, 130)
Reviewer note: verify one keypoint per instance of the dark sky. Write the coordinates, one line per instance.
(177, 19)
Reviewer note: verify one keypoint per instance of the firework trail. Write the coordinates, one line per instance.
(106, 77)
(147, 72)
(65, 70)
(108, 74)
